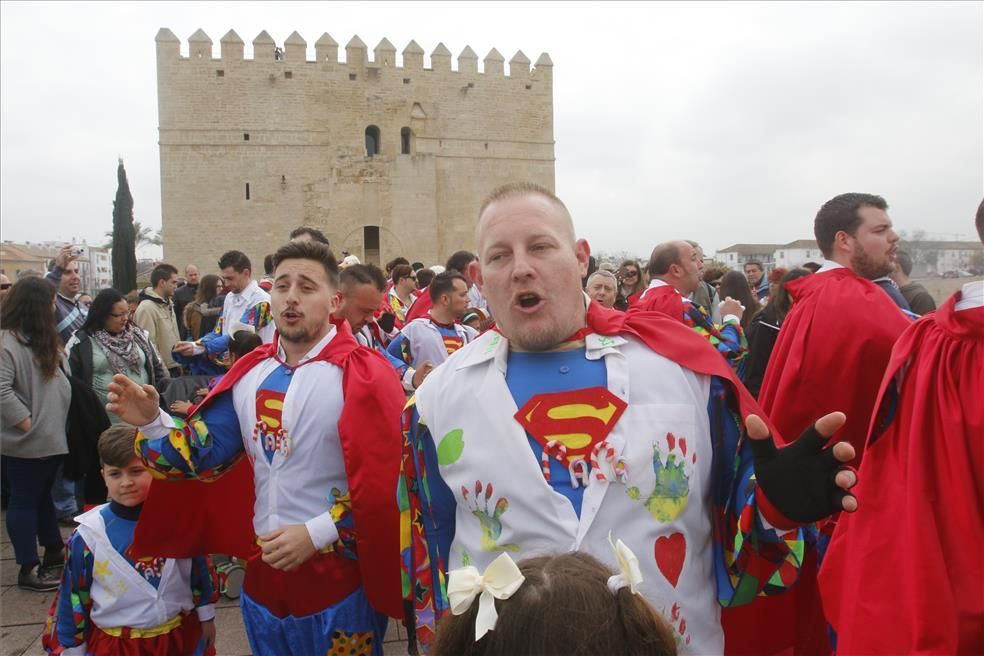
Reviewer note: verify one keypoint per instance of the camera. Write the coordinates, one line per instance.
(78, 250)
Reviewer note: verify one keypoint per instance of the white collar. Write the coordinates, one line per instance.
(315, 350)
(971, 296)
(247, 291)
(656, 282)
(830, 265)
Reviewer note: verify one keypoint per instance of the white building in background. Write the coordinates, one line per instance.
(797, 253)
(736, 255)
(95, 264)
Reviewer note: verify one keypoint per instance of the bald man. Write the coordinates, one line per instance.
(571, 423)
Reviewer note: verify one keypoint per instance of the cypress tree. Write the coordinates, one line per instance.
(124, 238)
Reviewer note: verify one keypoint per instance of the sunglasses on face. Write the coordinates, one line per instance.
(6, 285)
(631, 274)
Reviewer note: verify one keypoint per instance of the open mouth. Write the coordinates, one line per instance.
(528, 301)
(290, 315)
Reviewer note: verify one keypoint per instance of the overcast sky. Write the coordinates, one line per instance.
(716, 122)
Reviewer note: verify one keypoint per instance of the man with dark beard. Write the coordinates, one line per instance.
(830, 354)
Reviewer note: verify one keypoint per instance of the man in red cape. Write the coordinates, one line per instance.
(830, 355)
(317, 419)
(905, 575)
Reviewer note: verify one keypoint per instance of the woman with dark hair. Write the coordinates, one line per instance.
(765, 331)
(34, 399)
(630, 283)
(735, 285)
(109, 343)
(201, 315)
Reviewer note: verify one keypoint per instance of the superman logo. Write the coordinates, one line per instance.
(452, 344)
(578, 419)
(269, 430)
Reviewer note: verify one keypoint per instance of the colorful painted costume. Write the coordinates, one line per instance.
(922, 486)
(247, 310)
(637, 433)
(317, 439)
(111, 604)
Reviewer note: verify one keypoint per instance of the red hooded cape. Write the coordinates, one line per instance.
(830, 355)
(421, 306)
(665, 299)
(904, 574)
(181, 519)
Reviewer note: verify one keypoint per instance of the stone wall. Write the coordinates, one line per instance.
(294, 131)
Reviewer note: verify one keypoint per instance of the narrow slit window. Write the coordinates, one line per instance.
(372, 141)
(406, 141)
(247, 191)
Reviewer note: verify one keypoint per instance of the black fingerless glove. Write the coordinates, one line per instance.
(386, 321)
(798, 479)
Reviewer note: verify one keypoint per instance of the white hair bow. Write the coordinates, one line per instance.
(629, 572)
(501, 580)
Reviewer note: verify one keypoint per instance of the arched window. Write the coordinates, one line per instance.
(406, 138)
(372, 141)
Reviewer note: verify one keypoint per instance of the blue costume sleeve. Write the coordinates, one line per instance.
(204, 582)
(68, 622)
(203, 446)
(750, 558)
(427, 522)
(399, 352)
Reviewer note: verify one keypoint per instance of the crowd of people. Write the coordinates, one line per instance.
(520, 451)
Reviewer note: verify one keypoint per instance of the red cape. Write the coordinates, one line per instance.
(665, 299)
(421, 306)
(830, 355)
(181, 519)
(904, 574)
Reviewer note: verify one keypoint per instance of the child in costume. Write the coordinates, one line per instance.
(564, 605)
(110, 604)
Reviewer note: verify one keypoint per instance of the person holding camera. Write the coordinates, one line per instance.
(65, 278)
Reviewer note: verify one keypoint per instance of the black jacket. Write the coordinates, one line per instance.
(80, 362)
(87, 419)
(762, 335)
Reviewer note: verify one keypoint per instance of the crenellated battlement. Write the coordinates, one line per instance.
(357, 57)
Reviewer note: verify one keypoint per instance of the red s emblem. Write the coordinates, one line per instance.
(578, 419)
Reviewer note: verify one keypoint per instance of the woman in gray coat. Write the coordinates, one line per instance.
(34, 400)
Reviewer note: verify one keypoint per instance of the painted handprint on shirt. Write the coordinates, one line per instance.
(489, 519)
(672, 489)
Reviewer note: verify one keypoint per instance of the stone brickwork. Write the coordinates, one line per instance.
(294, 131)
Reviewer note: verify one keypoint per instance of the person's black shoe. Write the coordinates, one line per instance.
(53, 564)
(36, 580)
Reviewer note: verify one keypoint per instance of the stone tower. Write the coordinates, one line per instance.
(386, 160)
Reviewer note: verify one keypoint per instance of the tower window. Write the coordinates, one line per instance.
(406, 137)
(370, 242)
(288, 75)
(372, 141)
(245, 136)
(247, 191)
(219, 73)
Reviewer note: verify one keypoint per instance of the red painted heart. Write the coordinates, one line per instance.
(671, 551)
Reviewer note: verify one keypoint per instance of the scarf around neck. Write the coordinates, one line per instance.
(123, 349)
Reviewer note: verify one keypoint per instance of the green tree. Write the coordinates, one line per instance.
(124, 243)
(142, 236)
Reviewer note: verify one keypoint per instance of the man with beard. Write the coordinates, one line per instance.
(184, 295)
(830, 355)
(317, 419)
(571, 425)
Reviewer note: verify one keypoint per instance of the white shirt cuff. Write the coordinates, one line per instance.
(322, 530)
(408, 379)
(80, 650)
(206, 612)
(158, 428)
(198, 350)
(730, 318)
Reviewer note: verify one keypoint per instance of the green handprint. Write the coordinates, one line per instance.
(672, 489)
(491, 526)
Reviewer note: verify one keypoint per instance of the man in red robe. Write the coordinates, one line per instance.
(905, 575)
(830, 355)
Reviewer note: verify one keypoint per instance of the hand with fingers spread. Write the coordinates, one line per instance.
(287, 547)
(135, 404)
(804, 481)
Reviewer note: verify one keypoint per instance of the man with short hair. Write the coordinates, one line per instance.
(916, 296)
(266, 282)
(155, 314)
(184, 295)
(424, 343)
(674, 273)
(360, 292)
(904, 575)
(306, 233)
(317, 419)
(830, 354)
(65, 278)
(458, 261)
(757, 280)
(571, 426)
(602, 287)
(246, 307)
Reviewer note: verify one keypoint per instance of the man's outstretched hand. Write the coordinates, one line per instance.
(804, 481)
(135, 404)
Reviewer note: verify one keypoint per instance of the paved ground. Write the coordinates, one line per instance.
(22, 615)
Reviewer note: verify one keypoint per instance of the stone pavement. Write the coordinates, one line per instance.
(22, 615)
